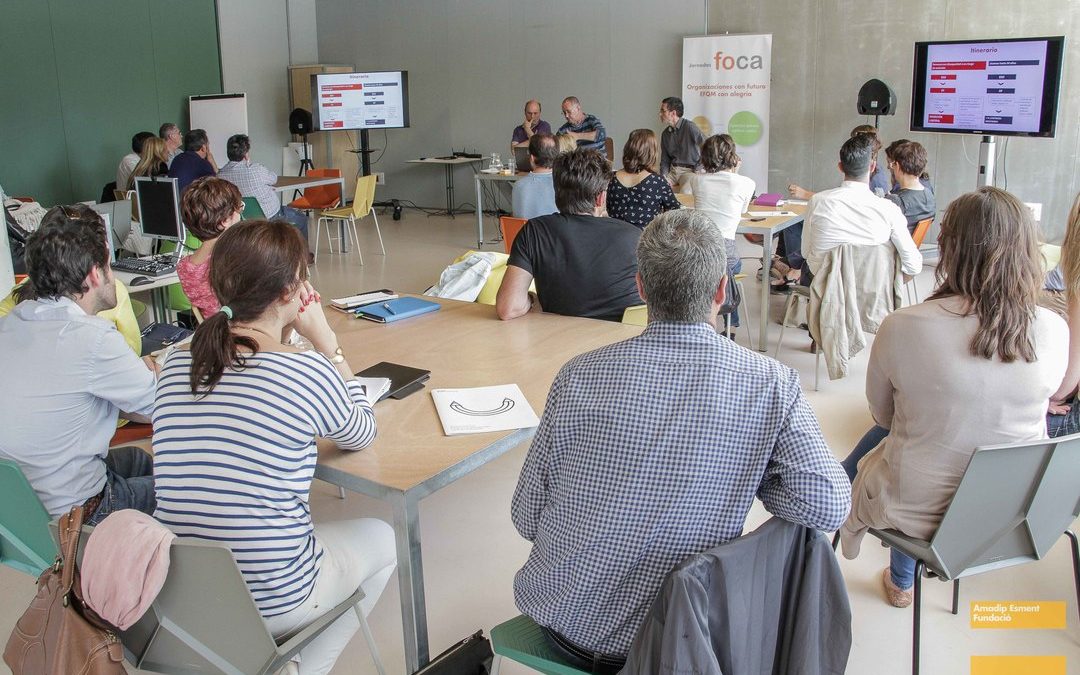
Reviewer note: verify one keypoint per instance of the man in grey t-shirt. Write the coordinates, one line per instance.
(534, 195)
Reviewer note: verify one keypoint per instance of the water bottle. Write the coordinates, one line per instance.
(496, 162)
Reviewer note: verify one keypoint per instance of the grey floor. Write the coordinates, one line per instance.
(471, 549)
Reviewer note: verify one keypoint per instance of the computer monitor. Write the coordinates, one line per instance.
(159, 208)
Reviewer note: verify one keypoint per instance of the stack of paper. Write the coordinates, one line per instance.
(482, 409)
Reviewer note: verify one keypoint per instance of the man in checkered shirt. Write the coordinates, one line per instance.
(653, 449)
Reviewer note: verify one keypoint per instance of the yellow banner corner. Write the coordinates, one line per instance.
(1017, 665)
(1018, 614)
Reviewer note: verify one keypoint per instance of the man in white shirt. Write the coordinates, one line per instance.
(534, 195)
(131, 160)
(71, 373)
(174, 141)
(852, 214)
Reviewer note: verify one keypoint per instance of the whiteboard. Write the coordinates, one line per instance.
(221, 115)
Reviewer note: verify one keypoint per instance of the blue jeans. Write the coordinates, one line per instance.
(294, 216)
(129, 483)
(901, 567)
(734, 266)
(1064, 425)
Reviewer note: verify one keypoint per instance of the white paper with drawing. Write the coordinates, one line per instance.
(482, 409)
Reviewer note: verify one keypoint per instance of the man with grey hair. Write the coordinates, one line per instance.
(653, 449)
(170, 133)
(587, 130)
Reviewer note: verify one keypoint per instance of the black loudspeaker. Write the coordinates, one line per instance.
(876, 98)
(300, 122)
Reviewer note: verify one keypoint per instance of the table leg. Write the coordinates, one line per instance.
(343, 232)
(411, 582)
(479, 214)
(450, 190)
(763, 312)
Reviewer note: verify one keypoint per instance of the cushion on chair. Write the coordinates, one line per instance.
(521, 640)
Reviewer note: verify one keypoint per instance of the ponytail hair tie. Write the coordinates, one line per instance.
(227, 311)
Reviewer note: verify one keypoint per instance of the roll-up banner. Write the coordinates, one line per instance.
(726, 90)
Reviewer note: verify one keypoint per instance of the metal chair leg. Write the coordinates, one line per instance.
(787, 308)
(817, 367)
(378, 231)
(370, 639)
(341, 493)
(356, 238)
(495, 663)
(955, 596)
(920, 568)
(836, 540)
(1076, 565)
(318, 232)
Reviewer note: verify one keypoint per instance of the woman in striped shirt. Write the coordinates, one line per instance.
(234, 440)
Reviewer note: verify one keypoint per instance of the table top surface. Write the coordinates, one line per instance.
(463, 345)
(501, 176)
(295, 182)
(163, 280)
(439, 160)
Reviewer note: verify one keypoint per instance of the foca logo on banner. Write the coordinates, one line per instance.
(724, 61)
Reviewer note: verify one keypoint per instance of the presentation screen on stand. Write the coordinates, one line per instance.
(345, 101)
(995, 87)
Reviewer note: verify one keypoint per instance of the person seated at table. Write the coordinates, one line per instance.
(128, 161)
(534, 194)
(583, 263)
(1063, 417)
(993, 358)
(587, 130)
(532, 125)
(653, 449)
(636, 193)
(907, 162)
(194, 162)
(73, 375)
(208, 207)
(153, 162)
(235, 425)
(880, 183)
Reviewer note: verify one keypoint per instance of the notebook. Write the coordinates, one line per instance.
(404, 380)
(396, 310)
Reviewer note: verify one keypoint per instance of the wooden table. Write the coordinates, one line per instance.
(463, 345)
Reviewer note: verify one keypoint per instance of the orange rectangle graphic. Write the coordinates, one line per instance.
(1019, 614)
(1017, 665)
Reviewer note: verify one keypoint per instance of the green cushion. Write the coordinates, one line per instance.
(521, 640)
(252, 210)
(25, 542)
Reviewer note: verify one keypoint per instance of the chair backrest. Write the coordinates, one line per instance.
(921, 228)
(686, 199)
(510, 228)
(252, 210)
(25, 542)
(638, 315)
(1013, 503)
(204, 602)
(364, 196)
(609, 148)
(323, 196)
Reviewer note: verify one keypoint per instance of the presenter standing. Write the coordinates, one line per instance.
(680, 144)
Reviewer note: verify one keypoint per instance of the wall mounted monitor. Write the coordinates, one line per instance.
(1006, 87)
(345, 101)
(159, 211)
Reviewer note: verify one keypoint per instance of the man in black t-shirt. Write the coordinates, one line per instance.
(583, 264)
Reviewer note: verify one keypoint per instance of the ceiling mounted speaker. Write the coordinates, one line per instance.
(876, 98)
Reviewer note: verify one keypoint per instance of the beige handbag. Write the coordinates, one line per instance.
(57, 635)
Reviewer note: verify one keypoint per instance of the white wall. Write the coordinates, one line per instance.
(260, 39)
(473, 63)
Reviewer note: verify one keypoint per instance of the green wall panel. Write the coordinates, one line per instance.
(89, 76)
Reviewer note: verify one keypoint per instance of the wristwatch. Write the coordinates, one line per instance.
(337, 357)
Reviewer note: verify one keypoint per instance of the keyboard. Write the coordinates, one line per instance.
(154, 266)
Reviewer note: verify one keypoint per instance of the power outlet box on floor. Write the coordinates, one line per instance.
(380, 178)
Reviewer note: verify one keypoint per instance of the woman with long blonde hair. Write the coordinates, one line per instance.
(1063, 417)
(986, 358)
(153, 161)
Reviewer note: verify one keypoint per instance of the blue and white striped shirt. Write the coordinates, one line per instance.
(236, 465)
(650, 450)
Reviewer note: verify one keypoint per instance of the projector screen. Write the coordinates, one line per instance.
(345, 101)
(997, 87)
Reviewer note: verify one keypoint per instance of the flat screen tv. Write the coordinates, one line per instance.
(1006, 87)
(344, 101)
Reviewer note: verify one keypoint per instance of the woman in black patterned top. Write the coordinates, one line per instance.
(636, 193)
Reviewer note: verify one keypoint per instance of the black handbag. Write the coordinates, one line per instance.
(471, 656)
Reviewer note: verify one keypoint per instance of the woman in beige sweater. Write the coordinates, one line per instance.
(987, 358)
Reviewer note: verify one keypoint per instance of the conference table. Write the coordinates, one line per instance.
(463, 345)
(448, 163)
(494, 179)
(159, 296)
(286, 183)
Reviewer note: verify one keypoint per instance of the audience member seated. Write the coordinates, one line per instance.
(234, 441)
(907, 161)
(636, 194)
(170, 133)
(851, 214)
(583, 263)
(128, 162)
(208, 207)
(194, 162)
(586, 130)
(534, 195)
(1064, 413)
(880, 184)
(152, 162)
(531, 126)
(653, 449)
(73, 374)
(924, 177)
(973, 365)
(255, 180)
(680, 144)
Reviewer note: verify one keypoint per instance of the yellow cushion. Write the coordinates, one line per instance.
(338, 213)
(494, 280)
(122, 315)
(638, 315)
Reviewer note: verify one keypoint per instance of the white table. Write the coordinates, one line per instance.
(159, 298)
(449, 165)
(493, 178)
(767, 228)
(286, 183)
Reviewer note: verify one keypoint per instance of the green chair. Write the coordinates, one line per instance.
(25, 542)
(252, 210)
(521, 640)
(178, 301)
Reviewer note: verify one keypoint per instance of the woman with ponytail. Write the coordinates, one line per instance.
(234, 440)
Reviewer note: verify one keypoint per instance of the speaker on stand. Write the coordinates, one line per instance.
(300, 125)
(877, 99)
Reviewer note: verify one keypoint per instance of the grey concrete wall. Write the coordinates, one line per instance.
(473, 63)
(823, 50)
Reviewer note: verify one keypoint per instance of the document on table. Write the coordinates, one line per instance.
(768, 214)
(482, 409)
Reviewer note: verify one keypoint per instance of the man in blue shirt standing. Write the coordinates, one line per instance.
(194, 162)
(585, 129)
(654, 448)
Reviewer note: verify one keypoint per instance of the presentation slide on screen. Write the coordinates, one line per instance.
(989, 86)
(361, 100)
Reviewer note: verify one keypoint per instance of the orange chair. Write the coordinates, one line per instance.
(320, 197)
(510, 228)
(921, 228)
